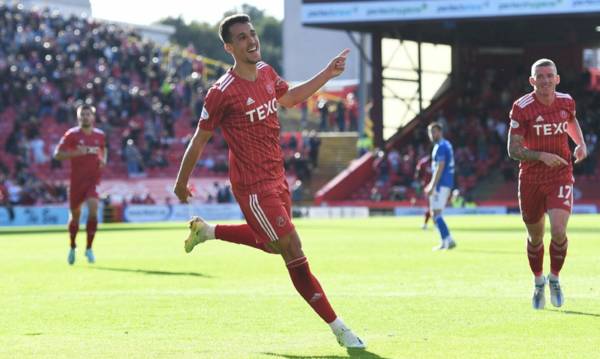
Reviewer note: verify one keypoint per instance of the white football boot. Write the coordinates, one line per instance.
(197, 234)
(538, 301)
(556, 295)
(90, 256)
(347, 339)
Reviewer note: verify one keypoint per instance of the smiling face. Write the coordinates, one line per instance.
(544, 79)
(244, 45)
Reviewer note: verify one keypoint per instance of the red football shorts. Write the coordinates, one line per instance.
(268, 214)
(79, 193)
(535, 200)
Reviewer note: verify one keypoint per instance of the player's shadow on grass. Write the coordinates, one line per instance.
(572, 312)
(153, 272)
(490, 251)
(352, 353)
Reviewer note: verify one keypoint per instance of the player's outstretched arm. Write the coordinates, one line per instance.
(192, 153)
(518, 151)
(574, 131)
(303, 91)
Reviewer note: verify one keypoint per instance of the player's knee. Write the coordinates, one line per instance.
(75, 214)
(290, 246)
(274, 248)
(535, 240)
(559, 234)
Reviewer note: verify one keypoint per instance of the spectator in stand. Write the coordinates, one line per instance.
(364, 144)
(340, 115)
(352, 111)
(304, 114)
(323, 108)
(133, 157)
(314, 143)
(36, 145)
(148, 199)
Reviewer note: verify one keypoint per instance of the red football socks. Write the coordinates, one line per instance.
(90, 228)
(309, 288)
(535, 254)
(427, 216)
(73, 229)
(558, 253)
(240, 234)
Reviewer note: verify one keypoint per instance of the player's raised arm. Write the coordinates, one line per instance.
(303, 91)
(192, 153)
(576, 135)
(518, 151)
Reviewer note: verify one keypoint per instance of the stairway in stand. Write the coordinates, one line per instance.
(337, 150)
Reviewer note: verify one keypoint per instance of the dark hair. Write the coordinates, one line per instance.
(435, 125)
(85, 107)
(228, 22)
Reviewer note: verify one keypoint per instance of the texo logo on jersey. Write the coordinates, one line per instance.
(548, 129)
(263, 110)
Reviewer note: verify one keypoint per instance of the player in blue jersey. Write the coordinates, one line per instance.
(442, 180)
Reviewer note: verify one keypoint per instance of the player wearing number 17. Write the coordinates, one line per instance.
(541, 123)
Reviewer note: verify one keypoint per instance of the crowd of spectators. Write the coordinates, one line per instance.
(336, 114)
(50, 64)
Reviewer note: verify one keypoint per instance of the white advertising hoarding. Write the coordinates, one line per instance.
(412, 10)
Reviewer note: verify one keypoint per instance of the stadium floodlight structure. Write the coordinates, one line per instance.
(496, 30)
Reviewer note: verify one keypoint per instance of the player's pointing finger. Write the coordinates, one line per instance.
(344, 53)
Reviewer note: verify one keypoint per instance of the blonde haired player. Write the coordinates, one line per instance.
(541, 123)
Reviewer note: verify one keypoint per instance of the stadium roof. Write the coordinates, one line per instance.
(482, 22)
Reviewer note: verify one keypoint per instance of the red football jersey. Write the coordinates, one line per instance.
(423, 170)
(544, 129)
(86, 168)
(246, 112)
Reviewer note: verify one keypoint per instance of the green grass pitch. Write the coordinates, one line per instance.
(145, 298)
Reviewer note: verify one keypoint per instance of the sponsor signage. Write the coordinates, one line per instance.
(181, 212)
(329, 12)
(41, 215)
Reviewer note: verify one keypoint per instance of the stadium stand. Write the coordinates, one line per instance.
(147, 98)
(475, 117)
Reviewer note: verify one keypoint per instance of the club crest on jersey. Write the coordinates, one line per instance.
(514, 124)
(280, 221)
(564, 114)
(270, 89)
(204, 115)
(549, 129)
(263, 111)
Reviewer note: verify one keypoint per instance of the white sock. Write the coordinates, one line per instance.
(553, 277)
(337, 325)
(210, 231)
(539, 280)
